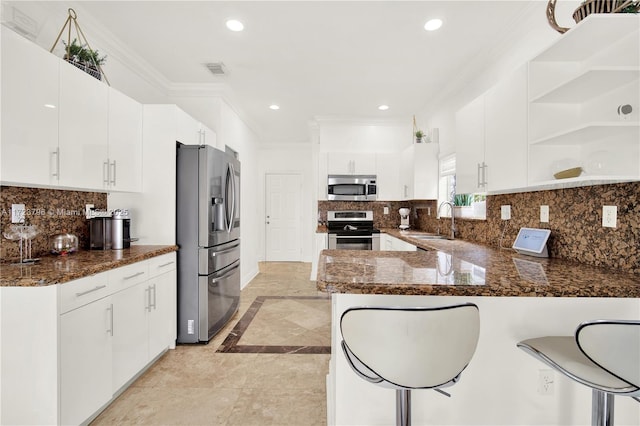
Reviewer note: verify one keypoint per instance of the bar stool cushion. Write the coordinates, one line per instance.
(410, 348)
(603, 355)
(614, 346)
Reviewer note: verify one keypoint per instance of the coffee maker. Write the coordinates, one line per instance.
(404, 218)
(109, 230)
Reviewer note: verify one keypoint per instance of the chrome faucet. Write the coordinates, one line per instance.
(453, 224)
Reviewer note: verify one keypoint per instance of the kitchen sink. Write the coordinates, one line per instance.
(427, 236)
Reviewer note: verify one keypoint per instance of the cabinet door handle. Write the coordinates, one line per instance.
(478, 180)
(484, 174)
(110, 309)
(166, 264)
(154, 297)
(112, 179)
(105, 172)
(96, 288)
(147, 293)
(57, 163)
(137, 274)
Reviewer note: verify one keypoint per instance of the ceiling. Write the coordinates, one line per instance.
(316, 59)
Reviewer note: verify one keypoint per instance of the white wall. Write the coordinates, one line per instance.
(289, 158)
(373, 135)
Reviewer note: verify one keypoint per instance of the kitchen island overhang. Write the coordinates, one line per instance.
(518, 298)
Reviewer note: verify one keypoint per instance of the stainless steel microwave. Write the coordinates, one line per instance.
(351, 188)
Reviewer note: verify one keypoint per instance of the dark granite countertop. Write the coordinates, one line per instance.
(461, 268)
(60, 269)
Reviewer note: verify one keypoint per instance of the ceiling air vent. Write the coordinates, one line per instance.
(216, 68)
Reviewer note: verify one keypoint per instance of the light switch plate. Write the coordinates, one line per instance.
(386, 210)
(505, 212)
(544, 214)
(609, 216)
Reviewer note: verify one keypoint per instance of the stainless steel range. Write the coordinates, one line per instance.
(352, 230)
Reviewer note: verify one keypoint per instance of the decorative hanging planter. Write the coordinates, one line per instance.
(588, 7)
(79, 53)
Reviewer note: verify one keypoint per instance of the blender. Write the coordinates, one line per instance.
(404, 218)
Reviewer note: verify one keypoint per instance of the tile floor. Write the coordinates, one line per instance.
(266, 367)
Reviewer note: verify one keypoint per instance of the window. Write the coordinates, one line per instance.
(474, 204)
(447, 183)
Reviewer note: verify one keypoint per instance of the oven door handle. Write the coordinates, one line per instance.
(351, 236)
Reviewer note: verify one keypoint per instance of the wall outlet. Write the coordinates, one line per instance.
(609, 216)
(546, 382)
(505, 212)
(386, 210)
(17, 213)
(544, 214)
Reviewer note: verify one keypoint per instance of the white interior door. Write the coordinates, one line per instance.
(283, 221)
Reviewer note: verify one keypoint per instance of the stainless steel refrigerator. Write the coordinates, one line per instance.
(208, 237)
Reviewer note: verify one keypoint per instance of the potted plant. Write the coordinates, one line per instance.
(462, 205)
(419, 136)
(84, 58)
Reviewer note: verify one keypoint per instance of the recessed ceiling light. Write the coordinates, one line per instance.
(433, 24)
(383, 107)
(274, 107)
(235, 25)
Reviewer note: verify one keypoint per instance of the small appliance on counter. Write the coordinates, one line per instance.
(532, 242)
(404, 218)
(64, 244)
(109, 230)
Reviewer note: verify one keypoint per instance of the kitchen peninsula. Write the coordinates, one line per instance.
(518, 297)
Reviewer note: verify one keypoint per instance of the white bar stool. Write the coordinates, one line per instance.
(410, 348)
(603, 355)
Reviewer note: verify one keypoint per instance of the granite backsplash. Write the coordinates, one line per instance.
(52, 211)
(575, 220)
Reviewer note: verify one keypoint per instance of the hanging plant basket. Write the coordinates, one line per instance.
(592, 6)
(90, 69)
(80, 54)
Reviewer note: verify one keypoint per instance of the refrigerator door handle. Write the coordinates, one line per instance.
(228, 203)
(234, 192)
(226, 275)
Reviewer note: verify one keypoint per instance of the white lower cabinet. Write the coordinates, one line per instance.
(85, 341)
(129, 348)
(85, 357)
(390, 243)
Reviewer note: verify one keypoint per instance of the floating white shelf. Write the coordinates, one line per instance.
(590, 132)
(589, 84)
(593, 34)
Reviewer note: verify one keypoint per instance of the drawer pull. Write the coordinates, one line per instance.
(137, 274)
(98, 287)
(166, 264)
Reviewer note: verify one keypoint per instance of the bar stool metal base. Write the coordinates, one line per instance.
(601, 408)
(403, 407)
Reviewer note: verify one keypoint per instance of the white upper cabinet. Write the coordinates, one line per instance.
(351, 163)
(388, 176)
(125, 143)
(29, 112)
(470, 164)
(64, 128)
(505, 133)
(584, 103)
(491, 140)
(419, 172)
(83, 130)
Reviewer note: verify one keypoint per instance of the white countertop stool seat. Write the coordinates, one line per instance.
(410, 348)
(603, 355)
